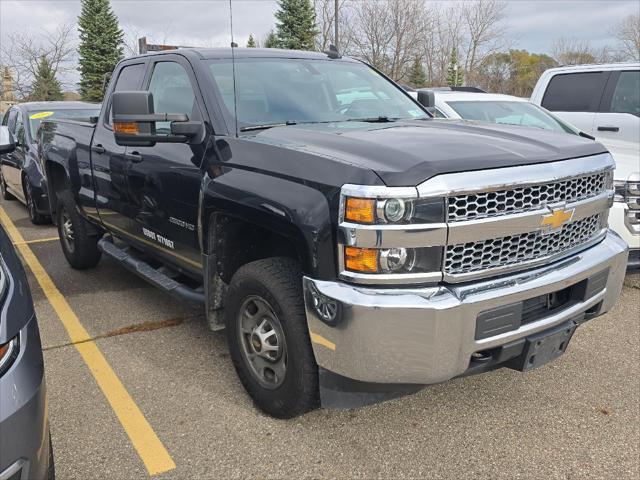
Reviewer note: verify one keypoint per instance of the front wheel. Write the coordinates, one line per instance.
(35, 217)
(268, 337)
(79, 245)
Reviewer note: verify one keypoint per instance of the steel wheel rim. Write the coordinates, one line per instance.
(66, 229)
(262, 342)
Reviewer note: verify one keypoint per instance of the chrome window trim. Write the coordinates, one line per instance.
(466, 277)
(515, 224)
(508, 178)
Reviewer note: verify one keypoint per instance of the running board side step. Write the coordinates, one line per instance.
(150, 274)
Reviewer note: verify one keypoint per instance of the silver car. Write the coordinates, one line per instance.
(25, 443)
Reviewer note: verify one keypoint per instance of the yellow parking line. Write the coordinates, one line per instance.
(146, 442)
(37, 240)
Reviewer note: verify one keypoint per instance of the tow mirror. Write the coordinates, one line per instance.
(134, 121)
(7, 142)
(426, 98)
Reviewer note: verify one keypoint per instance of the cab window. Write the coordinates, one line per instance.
(130, 78)
(626, 96)
(19, 129)
(575, 92)
(172, 93)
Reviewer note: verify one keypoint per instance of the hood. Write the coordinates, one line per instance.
(406, 153)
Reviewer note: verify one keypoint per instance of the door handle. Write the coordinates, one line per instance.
(134, 157)
(608, 129)
(98, 149)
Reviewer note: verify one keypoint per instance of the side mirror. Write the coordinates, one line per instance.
(7, 142)
(426, 98)
(134, 121)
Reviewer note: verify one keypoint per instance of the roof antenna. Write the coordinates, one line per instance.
(233, 68)
(333, 52)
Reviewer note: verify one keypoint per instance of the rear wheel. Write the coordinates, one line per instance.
(3, 189)
(79, 244)
(35, 217)
(268, 337)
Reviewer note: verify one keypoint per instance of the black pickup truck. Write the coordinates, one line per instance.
(354, 248)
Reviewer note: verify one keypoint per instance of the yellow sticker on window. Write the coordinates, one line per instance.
(39, 115)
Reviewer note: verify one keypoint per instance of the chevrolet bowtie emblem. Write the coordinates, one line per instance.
(557, 218)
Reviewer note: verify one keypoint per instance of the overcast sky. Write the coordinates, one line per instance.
(532, 25)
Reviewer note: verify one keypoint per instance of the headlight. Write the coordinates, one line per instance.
(390, 235)
(8, 353)
(399, 211)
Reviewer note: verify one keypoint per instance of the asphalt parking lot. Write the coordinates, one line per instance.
(576, 418)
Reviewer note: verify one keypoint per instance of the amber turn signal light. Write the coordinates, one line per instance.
(360, 210)
(130, 128)
(361, 259)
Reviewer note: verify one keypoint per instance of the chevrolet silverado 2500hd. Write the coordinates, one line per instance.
(354, 248)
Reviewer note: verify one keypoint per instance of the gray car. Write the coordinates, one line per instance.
(25, 443)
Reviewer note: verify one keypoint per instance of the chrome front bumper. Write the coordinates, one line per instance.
(427, 335)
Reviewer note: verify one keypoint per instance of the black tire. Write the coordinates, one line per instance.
(35, 217)
(51, 474)
(81, 247)
(3, 189)
(278, 281)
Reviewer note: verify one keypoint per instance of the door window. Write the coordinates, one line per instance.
(575, 92)
(626, 96)
(19, 129)
(11, 119)
(130, 78)
(172, 93)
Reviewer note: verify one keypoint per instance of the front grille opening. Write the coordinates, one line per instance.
(514, 249)
(524, 199)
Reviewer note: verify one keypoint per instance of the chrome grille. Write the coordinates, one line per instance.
(524, 199)
(515, 249)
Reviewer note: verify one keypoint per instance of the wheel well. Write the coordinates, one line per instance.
(236, 242)
(57, 181)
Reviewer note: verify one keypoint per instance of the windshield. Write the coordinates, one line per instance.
(279, 91)
(510, 113)
(37, 116)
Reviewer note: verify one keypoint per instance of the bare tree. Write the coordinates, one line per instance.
(628, 34)
(389, 34)
(23, 51)
(325, 21)
(572, 51)
(484, 31)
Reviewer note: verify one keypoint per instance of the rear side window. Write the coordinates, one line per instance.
(575, 92)
(626, 96)
(172, 93)
(130, 79)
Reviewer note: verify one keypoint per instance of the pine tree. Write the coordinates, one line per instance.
(296, 25)
(251, 43)
(45, 86)
(417, 77)
(455, 75)
(271, 41)
(100, 47)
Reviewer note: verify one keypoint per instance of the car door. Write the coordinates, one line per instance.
(576, 97)
(15, 160)
(164, 180)
(108, 163)
(619, 115)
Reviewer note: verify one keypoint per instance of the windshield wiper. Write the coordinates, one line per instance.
(267, 125)
(380, 119)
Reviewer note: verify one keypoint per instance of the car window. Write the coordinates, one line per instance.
(19, 129)
(5, 118)
(11, 121)
(575, 92)
(37, 116)
(509, 113)
(172, 93)
(129, 79)
(437, 113)
(626, 96)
